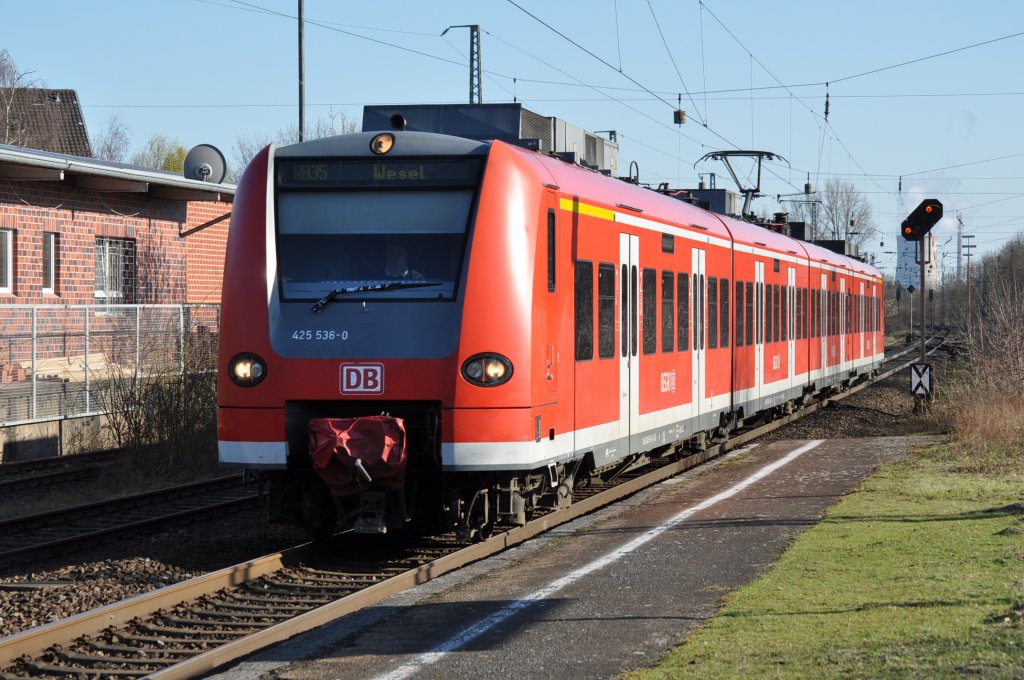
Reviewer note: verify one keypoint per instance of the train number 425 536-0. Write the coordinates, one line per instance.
(319, 335)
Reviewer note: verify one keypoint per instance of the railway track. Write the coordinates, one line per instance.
(56, 532)
(47, 472)
(196, 626)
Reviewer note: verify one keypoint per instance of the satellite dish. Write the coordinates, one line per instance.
(205, 163)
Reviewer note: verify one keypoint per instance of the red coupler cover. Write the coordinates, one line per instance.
(378, 442)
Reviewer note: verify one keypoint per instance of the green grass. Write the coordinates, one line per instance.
(918, 573)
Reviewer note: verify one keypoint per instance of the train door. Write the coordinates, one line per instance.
(629, 373)
(550, 313)
(843, 330)
(823, 321)
(699, 365)
(759, 329)
(791, 327)
(861, 322)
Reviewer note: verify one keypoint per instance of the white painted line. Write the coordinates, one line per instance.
(508, 611)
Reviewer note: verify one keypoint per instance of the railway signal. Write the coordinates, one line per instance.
(921, 221)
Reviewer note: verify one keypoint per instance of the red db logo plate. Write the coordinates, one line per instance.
(362, 379)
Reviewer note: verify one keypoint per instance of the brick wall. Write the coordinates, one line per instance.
(205, 252)
(169, 269)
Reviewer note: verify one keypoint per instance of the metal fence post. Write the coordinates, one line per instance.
(138, 341)
(35, 339)
(88, 406)
(181, 337)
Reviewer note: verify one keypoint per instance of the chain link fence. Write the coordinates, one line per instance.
(65, 361)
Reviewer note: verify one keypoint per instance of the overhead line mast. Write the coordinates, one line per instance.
(476, 73)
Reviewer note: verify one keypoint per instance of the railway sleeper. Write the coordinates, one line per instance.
(270, 604)
(255, 614)
(128, 649)
(96, 660)
(197, 622)
(208, 635)
(39, 668)
(179, 644)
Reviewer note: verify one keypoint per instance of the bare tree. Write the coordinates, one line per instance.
(246, 146)
(161, 153)
(839, 212)
(847, 213)
(113, 140)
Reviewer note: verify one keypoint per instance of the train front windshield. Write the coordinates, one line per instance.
(360, 223)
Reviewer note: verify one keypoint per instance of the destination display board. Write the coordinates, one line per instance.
(361, 173)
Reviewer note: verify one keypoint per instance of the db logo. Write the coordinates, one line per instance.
(362, 379)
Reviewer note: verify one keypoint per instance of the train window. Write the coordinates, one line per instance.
(724, 316)
(810, 314)
(605, 310)
(701, 300)
(761, 310)
(784, 321)
(776, 305)
(775, 265)
(683, 307)
(633, 299)
(584, 310)
(750, 314)
(668, 243)
(804, 296)
(697, 307)
(799, 335)
(330, 239)
(650, 311)
(551, 251)
(668, 311)
(739, 313)
(712, 312)
(791, 297)
(768, 313)
(624, 308)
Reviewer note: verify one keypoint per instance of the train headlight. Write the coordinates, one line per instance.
(247, 369)
(487, 369)
(382, 143)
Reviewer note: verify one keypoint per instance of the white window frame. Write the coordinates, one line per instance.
(7, 259)
(50, 257)
(111, 295)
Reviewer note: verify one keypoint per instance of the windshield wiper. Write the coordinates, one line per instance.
(373, 287)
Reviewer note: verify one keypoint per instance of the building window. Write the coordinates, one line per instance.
(6, 261)
(49, 262)
(115, 271)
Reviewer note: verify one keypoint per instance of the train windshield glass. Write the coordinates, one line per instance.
(367, 225)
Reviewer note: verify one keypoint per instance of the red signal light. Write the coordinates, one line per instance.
(920, 222)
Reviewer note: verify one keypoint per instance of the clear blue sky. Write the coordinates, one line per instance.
(209, 71)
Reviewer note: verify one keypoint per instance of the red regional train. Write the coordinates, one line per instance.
(413, 320)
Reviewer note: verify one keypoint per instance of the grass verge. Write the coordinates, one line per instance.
(919, 572)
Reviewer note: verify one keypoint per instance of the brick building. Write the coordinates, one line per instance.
(76, 230)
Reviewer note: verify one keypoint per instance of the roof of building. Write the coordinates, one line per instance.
(20, 164)
(50, 120)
